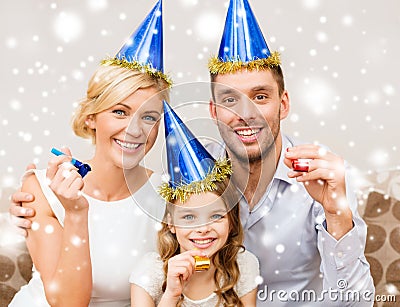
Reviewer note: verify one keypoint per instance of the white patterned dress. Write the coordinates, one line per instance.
(120, 234)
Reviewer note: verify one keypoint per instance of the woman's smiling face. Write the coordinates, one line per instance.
(128, 130)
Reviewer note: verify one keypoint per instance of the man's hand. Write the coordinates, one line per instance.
(20, 214)
(325, 182)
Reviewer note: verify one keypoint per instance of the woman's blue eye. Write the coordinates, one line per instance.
(119, 112)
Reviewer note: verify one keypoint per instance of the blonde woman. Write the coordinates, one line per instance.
(88, 233)
(85, 244)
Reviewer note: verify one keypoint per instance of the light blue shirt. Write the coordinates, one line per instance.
(298, 258)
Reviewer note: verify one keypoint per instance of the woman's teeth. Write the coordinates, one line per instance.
(127, 145)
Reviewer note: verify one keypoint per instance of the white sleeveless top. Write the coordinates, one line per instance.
(149, 275)
(120, 234)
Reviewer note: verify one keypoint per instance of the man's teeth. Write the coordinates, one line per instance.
(248, 132)
(127, 145)
(206, 241)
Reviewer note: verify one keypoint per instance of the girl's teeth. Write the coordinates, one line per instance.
(202, 241)
(127, 145)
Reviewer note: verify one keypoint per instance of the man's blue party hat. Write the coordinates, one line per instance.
(242, 44)
(143, 50)
(191, 167)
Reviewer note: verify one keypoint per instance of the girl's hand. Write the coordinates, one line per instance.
(66, 182)
(180, 268)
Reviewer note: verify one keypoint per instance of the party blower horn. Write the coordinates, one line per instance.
(83, 168)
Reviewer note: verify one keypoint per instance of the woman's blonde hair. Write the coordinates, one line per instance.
(109, 86)
(227, 272)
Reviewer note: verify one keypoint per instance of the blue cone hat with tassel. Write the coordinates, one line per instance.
(143, 50)
(242, 44)
(190, 166)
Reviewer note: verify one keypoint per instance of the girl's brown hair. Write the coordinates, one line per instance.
(227, 271)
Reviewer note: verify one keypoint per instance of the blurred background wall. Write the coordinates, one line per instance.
(340, 59)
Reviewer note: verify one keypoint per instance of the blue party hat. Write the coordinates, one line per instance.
(191, 167)
(242, 44)
(143, 51)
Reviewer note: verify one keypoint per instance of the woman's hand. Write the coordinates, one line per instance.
(66, 182)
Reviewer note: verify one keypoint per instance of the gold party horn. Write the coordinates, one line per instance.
(202, 263)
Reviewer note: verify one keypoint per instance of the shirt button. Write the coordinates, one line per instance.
(340, 254)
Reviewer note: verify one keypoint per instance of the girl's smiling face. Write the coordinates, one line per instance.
(198, 226)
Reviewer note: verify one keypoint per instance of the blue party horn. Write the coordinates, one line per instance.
(83, 168)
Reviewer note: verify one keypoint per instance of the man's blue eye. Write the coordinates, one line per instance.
(261, 97)
(228, 100)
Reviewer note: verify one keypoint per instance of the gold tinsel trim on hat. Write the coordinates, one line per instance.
(137, 66)
(219, 173)
(216, 66)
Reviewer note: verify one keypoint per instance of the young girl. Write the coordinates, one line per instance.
(88, 233)
(198, 223)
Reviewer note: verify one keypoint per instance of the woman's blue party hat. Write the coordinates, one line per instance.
(242, 44)
(143, 51)
(191, 167)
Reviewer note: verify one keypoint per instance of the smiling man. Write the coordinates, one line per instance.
(303, 226)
